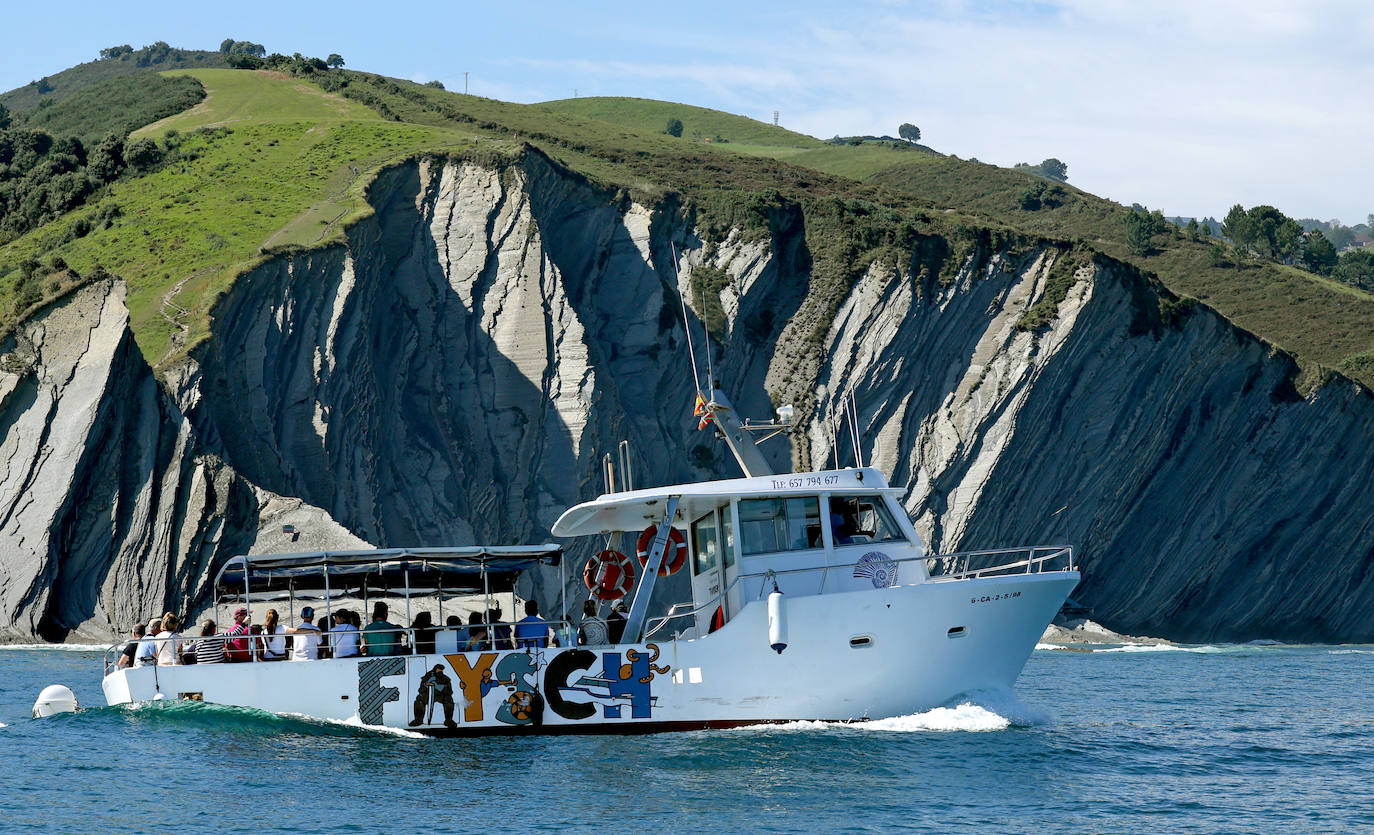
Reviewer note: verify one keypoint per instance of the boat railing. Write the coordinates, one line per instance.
(964, 565)
(1001, 561)
(257, 641)
(694, 609)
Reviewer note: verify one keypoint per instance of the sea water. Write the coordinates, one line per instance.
(1252, 738)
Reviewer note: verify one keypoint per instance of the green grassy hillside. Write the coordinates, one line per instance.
(269, 160)
(699, 124)
(118, 105)
(184, 232)
(59, 86)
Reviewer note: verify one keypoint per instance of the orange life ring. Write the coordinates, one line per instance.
(674, 560)
(609, 575)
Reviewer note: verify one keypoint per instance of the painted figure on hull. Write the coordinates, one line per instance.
(436, 688)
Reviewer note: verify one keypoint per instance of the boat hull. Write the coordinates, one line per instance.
(851, 656)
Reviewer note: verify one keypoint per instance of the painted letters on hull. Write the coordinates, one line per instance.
(507, 690)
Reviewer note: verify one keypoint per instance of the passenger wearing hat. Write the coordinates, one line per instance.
(237, 649)
(305, 640)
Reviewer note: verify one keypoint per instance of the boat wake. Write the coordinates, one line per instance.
(213, 716)
(57, 647)
(977, 712)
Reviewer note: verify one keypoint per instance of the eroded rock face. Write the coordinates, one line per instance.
(110, 510)
(454, 372)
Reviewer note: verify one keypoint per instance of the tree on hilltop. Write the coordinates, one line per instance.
(112, 52)
(229, 46)
(1238, 229)
(1139, 227)
(674, 127)
(334, 61)
(909, 132)
(1318, 253)
(1055, 170)
(1357, 267)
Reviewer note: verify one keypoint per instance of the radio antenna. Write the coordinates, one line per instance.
(686, 323)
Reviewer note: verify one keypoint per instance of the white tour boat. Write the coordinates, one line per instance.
(811, 598)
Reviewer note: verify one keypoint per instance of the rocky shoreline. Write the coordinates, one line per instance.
(1084, 631)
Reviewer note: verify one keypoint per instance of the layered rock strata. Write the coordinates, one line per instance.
(454, 372)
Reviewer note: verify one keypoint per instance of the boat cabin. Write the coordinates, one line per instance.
(810, 533)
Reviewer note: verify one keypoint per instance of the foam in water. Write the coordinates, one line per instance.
(355, 722)
(1047, 647)
(1206, 648)
(59, 647)
(982, 711)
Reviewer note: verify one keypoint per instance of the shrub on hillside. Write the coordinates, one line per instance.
(1356, 267)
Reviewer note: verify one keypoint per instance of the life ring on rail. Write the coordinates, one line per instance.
(609, 575)
(674, 560)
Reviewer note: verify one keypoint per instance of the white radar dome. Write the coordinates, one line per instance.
(55, 698)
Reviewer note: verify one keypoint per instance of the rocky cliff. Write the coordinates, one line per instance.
(455, 371)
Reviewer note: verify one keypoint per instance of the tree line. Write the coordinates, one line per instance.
(246, 55)
(1263, 233)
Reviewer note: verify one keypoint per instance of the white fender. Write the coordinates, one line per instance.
(777, 622)
(54, 699)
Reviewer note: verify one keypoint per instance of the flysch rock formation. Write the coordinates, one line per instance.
(110, 510)
(454, 372)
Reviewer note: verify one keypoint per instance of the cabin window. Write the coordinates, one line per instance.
(768, 525)
(862, 519)
(728, 551)
(704, 539)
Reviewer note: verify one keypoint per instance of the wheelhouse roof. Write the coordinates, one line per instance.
(636, 509)
(456, 569)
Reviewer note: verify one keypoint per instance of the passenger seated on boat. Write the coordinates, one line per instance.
(210, 647)
(169, 642)
(531, 632)
(305, 639)
(566, 634)
(381, 637)
(128, 654)
(615, 623)
(476, 640)
(147, 648)
(343, 637)
(500, 632)
(842, 524)
(422, 630)
(593, 631)
(325, 625)
(237, 649)
(273, 647)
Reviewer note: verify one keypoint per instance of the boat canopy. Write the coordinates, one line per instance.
(468, 569)
(637, 509)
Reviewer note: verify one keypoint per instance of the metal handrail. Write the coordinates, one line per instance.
(659, 622)
(112, 652)
(1032, 563)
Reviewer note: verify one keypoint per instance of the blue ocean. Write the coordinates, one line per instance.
(1250, 738)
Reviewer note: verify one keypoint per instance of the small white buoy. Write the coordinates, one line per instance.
(54, 699)
(777, 621)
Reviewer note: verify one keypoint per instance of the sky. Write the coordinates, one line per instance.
(1188, 107)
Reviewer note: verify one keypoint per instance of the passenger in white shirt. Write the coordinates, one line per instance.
(344, 636)
(169, 642)
(273, 638)
(305, 639)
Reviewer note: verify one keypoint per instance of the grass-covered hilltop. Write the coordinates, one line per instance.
(179, 170)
